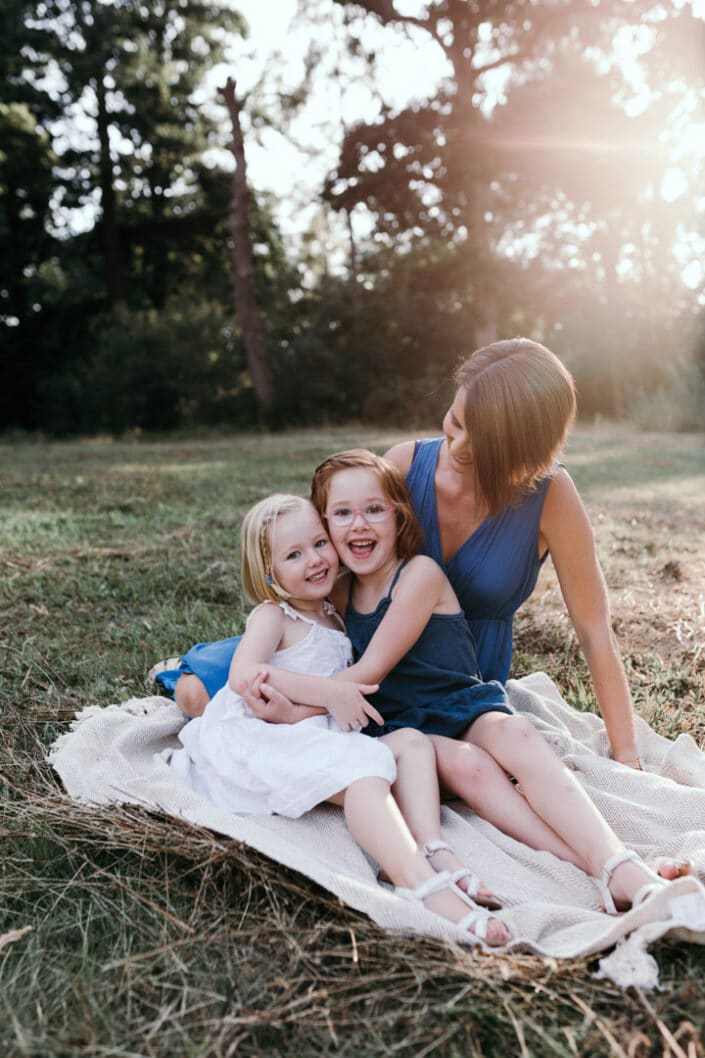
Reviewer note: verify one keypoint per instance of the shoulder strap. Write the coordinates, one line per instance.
(294, 614)
(396, 576)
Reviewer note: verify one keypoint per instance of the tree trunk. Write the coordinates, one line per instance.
(111, 248)
(246, 309)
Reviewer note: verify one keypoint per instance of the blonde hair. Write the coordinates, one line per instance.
(409, 532)
(258, 527)
(520, 402)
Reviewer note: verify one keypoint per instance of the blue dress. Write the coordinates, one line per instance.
(494, 571)
(492, 574)
(435, 687)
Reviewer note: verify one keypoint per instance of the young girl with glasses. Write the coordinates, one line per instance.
(240, 761)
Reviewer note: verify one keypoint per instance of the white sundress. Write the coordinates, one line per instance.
(250, 766)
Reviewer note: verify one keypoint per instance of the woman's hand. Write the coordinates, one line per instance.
(634, 762)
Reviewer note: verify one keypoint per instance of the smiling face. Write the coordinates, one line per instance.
(456, 437)
(365, 547)
(304, 562)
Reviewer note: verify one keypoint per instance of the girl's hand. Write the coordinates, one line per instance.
(265, 702)
(350, 708)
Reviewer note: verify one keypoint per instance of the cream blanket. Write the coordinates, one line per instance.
(118, 754)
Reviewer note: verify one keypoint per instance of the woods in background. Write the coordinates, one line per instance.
(558, 201)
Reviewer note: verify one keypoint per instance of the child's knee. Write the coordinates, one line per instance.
(520, 731)
(461, 762)
(190, 695)
(409, 741)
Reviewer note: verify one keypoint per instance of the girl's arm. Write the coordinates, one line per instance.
(567, 533)
(422, 589)
(263, 635)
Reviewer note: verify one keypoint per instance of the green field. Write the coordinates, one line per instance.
(147, 937)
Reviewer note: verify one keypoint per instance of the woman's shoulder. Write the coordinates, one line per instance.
(421, 454)
(401, 455)
(563, 510)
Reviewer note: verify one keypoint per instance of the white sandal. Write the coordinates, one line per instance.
(162, 666)
(475, 922)
(471, 895)
(642, 894)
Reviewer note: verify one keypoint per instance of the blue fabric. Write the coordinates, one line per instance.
(209, 661)
(494, 571)
(435, 687)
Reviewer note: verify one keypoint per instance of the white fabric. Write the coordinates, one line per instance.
(116, 755)
(246, 765)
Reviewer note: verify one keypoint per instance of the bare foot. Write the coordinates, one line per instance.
(669, 868)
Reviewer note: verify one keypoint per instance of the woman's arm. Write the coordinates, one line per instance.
(423, 589)
(567, 533)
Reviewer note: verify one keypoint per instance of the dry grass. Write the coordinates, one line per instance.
(128, 934)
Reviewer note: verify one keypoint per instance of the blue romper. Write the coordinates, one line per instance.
(494, 571)
(492, 574)
(434, 688)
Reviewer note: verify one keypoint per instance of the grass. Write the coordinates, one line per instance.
(123, 933)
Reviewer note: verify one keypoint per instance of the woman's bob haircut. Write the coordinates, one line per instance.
(258, 529)
(394, 487)
(519, 405)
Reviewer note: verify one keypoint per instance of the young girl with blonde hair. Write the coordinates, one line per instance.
(241, 762)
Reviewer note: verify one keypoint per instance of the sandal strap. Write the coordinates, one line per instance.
(642, 894)
(473, 881)
(608, 868)
(427, 888)
(429, 848)
(475, 922)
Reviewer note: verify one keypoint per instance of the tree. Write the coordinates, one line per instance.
(496, 178)
(133, 69)
(244, 296)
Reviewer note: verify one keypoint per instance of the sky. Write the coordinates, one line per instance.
(292, 165)
(410, 66)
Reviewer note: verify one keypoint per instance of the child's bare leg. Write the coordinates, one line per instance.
(557, 797)
(468, 772)
(190, 695)
(417, 794)
(375, 821)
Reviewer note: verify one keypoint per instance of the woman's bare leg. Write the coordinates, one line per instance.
(469, 772)
(557, 797)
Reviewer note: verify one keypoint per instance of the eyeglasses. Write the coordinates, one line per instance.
(374, 512)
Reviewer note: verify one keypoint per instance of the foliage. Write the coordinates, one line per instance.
(551, 182)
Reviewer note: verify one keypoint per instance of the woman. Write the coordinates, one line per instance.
(493, 503)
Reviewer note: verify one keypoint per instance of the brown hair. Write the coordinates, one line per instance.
(258, 528)
(409, 532)
(519, 405)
